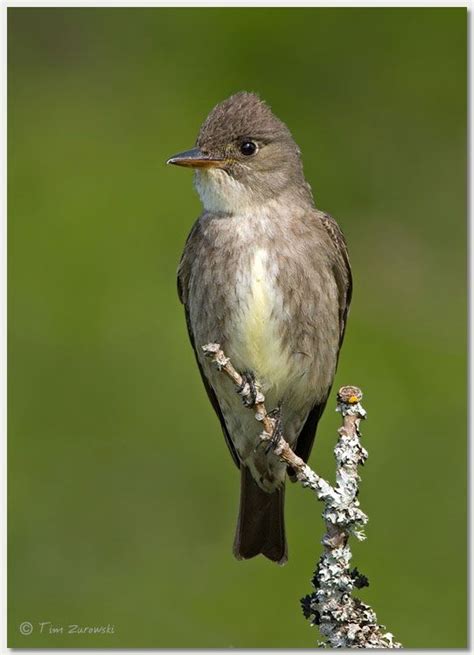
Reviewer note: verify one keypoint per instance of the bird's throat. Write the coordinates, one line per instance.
(221, 193)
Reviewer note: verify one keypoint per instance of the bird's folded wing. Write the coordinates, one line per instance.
(341, 269)
(182, 293)
(343, 277)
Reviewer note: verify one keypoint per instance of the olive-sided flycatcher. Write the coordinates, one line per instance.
(266, 275)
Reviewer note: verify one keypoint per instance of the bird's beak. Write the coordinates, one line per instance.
(195, 158)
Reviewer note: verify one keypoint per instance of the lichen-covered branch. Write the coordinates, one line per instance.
(344, 620)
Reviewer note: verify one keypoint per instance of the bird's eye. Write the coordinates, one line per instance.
(248, 148)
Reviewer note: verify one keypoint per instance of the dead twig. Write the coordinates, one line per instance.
(345, 621)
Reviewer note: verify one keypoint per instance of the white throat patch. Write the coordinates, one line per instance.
(219, 192)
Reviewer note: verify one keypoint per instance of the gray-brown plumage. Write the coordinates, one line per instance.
(266, 275)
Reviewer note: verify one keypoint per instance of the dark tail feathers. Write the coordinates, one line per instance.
(261, 524)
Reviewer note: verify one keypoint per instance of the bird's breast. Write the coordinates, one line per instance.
(262, 291)
(258, 340)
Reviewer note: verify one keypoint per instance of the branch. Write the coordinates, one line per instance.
(345, 621)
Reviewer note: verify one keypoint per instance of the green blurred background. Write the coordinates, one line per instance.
(123, 498)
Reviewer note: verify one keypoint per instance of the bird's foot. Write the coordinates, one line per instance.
(248, 389)
(275, 414)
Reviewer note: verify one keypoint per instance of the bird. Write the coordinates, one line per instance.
(266, 275)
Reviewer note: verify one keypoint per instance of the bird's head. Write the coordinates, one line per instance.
(244, 157)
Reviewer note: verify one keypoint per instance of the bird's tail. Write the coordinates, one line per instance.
(261, 523)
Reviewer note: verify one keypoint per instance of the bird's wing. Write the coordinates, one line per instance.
(341, 269)
(183, 279)
(342, 274)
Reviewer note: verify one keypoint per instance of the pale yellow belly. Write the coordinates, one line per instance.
(258, 343)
